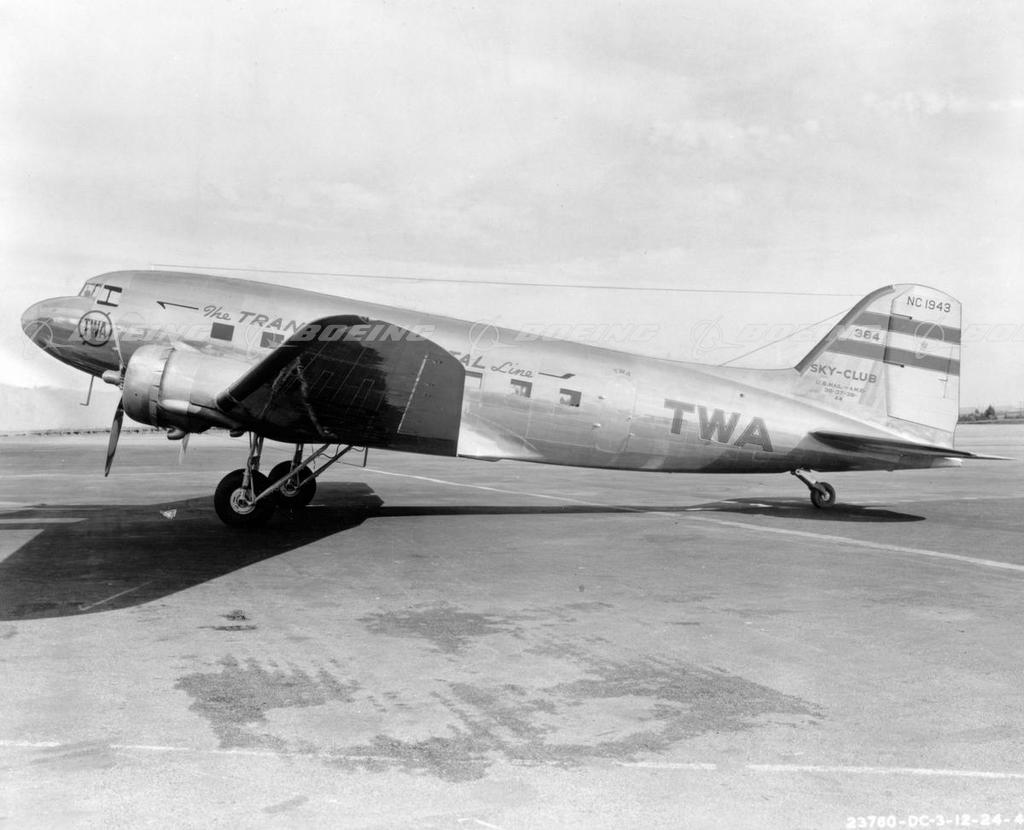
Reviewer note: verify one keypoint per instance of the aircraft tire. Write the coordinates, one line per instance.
(823, 500)
(292, 496)
(232, 504)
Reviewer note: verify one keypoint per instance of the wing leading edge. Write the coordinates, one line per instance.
(353, 380)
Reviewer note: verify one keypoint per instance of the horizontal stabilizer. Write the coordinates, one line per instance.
(887, 446)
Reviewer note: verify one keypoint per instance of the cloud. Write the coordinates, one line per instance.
(932, 104)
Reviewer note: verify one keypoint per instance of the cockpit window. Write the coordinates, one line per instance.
(104, 294)
(109, 295)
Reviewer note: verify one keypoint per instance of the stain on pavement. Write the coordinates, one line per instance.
(449, 629)
(238, 696)
(546, 699)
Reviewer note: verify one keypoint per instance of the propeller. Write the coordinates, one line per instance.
(116, 378)
(115, 433)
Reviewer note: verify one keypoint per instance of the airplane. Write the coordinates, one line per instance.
(192, 352)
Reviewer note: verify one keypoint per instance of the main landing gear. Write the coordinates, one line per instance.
(247, 498)
(823, 494)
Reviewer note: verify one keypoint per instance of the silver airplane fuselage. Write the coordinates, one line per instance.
(525, 397)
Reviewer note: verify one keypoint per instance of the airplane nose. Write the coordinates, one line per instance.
(53, 321)
(33, 318)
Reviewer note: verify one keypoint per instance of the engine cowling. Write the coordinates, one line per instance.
(169, 387)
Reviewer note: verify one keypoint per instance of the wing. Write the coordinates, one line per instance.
(887, 446)
(353, 380)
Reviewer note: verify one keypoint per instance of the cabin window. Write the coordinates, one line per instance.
(270, 339)
(521, 388)
(222, 331)
(474, 380)
(569, 397)
(88, 290)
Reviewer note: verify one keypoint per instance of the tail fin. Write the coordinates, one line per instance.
(892, 361)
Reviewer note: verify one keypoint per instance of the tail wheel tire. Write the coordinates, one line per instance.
(235, 506)
(298, 491)
(823, 495)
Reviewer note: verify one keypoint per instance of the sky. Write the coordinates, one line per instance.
(816, 149)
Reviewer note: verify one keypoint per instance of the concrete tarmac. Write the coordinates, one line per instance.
(454, 644)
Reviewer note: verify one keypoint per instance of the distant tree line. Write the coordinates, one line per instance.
(988, 415)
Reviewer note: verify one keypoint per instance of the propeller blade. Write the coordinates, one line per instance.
(183, 447)
(115, 433)
(117, 348)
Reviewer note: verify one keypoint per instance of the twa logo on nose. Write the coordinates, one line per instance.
(94, 328)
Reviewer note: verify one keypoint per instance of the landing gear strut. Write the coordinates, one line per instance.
(823, 494)
(247, 498)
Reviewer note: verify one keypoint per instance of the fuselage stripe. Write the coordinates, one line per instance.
(901, 357)
(921, 329)
(858, 348)
(916, 360)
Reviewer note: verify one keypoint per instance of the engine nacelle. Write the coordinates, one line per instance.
(168, 387)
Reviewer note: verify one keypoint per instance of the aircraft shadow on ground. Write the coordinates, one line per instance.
(89, 558)
(799, 509)
(92, 558)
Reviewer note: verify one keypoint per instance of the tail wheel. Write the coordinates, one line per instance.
(235, 505)
(298, 491)
(823, 495)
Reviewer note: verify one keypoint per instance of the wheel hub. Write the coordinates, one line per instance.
(241, 503)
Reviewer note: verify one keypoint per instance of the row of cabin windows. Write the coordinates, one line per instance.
(268, 339)
(566, 397)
